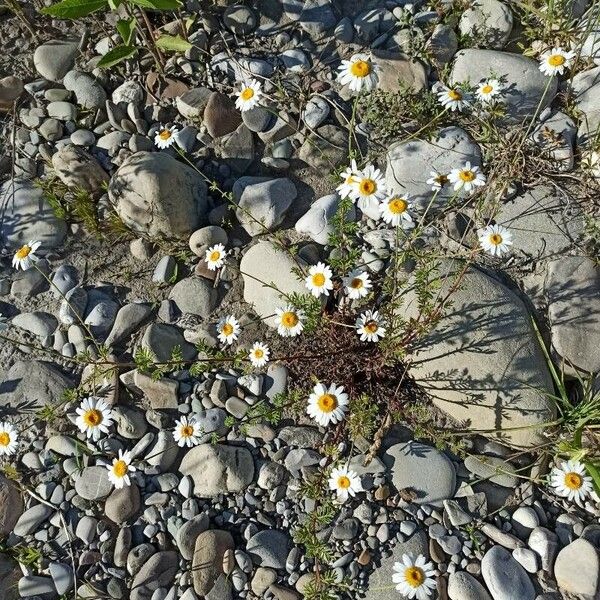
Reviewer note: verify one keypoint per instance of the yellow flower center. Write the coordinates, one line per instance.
(120, 468)
(367, 187)
(187, 431)
(247, 93)
(258, 353)
(495, 239)
(397, 206)
(289, 319)
(414, 576)
(227, 329)
(318, 279)
(92, 417)
(24, 252)
(327, 403)
(556, 60)
(4, 439)
(573, 480)
(454, 95)
(467, 176)
(371, 326)
(165, 134)
(343, 482)
(215, 256)
(360, 68)
(486, 89)
(357, 283)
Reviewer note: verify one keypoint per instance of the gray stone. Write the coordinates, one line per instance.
(39, 323)
(488, 23)
(220, 115)
(258, 118)
(161, 340)
(492, 468)
(239, 19)
(51, 130)
(36, 586)
(11, 506)
(325, 149)
(62, 577)
(443, 43)
(409, 163)
(86, 529)
(463, 586)
(218, 469)
(142, 192)
(192, 103)
(78, 169)
(72, 308)
(502, 389)
(422, 469)
(398, 71)
(63, 111)
(269, 548)
(527, 558)
(128, 319)
(157, 572)
(577, 570)
(316, 222)
(264, 264)
(573, 290)
(31, 519)
(88, 92)
(65, 278)
(129, 91)
(207, 236)
(54, 59)
(527, 90)
(163, 453)
(316, 111)
(262, 202)
(208, 559)
(300, 436)
(123, 504)
(189, 532)
(93, 483)
(586, 91)
(314, 16)
(504, 577)
(195, 296)
(28, 216)
(545, 543)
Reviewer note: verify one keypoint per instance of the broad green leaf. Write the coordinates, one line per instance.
(74, 9)
(173, 43)
(157, 4)
(116, 55)
(595, 475)
(126, 28)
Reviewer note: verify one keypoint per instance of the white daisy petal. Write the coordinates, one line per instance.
(228, 329)
(357, 284)
(25, 256)
(94, 417)
(318, 281)
(327, 405)
(370, 326)
(8, 439)
(344, 482)
(359, 73)
(165, 137)
(289, 321)
(249, 96)
(259, 354)
(215, 256)
(495, 239)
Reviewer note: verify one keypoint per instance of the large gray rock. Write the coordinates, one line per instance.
(54, 59)
(398, 71)
(317, 221)
(265, 264)
(27, 216)
(29, 385)
(463, 586)
(93, 483)
(262, 202)
(128, 319)
(325, 149)
(573, 291)
(207, 562)
(218, 469)
(586, 92)
(157, 572)
(11, 506)
(577, 570)
(505, 578)
(544, 223)
(269, 548)
(488, 23)
(482, 363)
(88, 92)
(162, 339)
(422, 470)
(142, 192)
(527, 89)
(195, 296)
(314, 16)
(409, 163)
(76, 168)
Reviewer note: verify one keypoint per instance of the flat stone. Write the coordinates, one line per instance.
(54, 59)
(325, 149)
(41, 324)
(220, 115)
(463, 586)
(207, 562)
(76, 168)
(31, 519)
(505, 577)
(93, 483)
(398, 71)
(157, 572)
(577, 569)
(11, 506)
(89, 93)
(128, 319)
(488, 22)
(269, 548)
(123, 504)
(195, 296)
(191, 105)
(421, 469)
(493, 469)
(162, 339)
(317, 221)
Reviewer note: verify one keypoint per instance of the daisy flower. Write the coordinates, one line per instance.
(349, 180)
(8, 439)
(327, 405)
(118, 472)
(228, 328)
(556, 61)
(437, 181)
(259, 354)
(488, 90)
(344, 482)
(187, 431)
(453, 99)
(571, 481)
(369, 185)
(394, 210)
(289, 321)
(495, 239)
(25, 256)
(357, 284)
(94, 417)
(215, 256)
(369, 326)
(249, 96)
(467, 177)
(318, 280)
(166, 137)
(358, 73)
(414, 578)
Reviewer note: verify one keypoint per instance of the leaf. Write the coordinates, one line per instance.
(595, 475)
(114, 4)
(173, 43)
(116, 55)
(157, 4)
(74, 9)
(126, 28)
